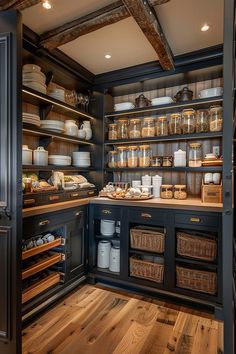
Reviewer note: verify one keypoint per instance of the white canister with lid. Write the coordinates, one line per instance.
(180, 158)
(40, 156)
(26, 155)
(103, 255)
(71, 128)
(86, 126)
(107, 227)
(156, 182)
(114, 265)
(146, 180)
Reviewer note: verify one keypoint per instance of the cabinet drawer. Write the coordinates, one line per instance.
(147, 216)
(107, 212)
(197, 219)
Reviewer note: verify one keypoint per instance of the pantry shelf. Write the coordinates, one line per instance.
(41, 265)
(140, 252)
(171, 169)
(56, 168)
(39, 249)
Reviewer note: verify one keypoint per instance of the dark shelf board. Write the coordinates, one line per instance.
(197, 103)
(105, 271)
(154, 254)
(111, 238)
(56, 168)
(193, 262)
(170, 169)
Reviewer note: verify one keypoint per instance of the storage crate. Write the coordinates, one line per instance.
(212, 193)
(147, 239)
(146, 270)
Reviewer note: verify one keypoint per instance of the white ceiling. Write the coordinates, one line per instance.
(181, 21)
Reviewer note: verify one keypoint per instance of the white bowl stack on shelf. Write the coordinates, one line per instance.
(58, 94)
(31, 118)
(34, 78)
(81, 159)
(161, 100)
(59, 160)
(123, 106)
(212, 92)
(53, 125)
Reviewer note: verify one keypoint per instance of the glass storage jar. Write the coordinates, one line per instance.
(166, 191)
(135, 128)
(148, 127)
(195, 155)
(132, 154)
(156, 161)
(112, 159)
(112, 131)
(180, 191)
(202, 121)
(121, 156)
(167, 161)
(216, 118)
(122, 128)
(175, 126)
(188, 121)
(145, 154)
(162, 126)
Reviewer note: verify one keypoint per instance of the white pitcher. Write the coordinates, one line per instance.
(86, 126)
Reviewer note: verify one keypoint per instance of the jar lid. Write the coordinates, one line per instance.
(113, 152)
(175, 115)
(167, 186)
(195, 145)
(162, 118)
(121, 148)
(147, 119)
(216, 108)
(180, 186)
(202, 111)
(123, 121)
(135, 120)
(112, 125)
(189, 111)
(132, 147)
(144, 146)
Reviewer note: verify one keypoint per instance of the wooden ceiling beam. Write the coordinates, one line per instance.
(148, 22)
(157, 2)
(17, 4)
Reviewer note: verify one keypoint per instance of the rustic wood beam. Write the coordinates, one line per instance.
(17, 4)
(68, 32)
(148, 22)
(157, 2)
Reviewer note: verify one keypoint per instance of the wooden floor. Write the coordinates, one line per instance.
(97, 321)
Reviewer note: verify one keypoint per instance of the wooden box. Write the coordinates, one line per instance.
(212, 193)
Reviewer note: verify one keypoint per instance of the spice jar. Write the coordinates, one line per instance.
(112, 159)
(148, 127)
(123, 129)
(167, 161)
(175, 125)
(202, 121)
(166, 191)
(188, 120)
(195, 155)
(145, 154)
(216, 118)
(132, 156)
(162, 127)
(122, 156)
(180, 191)
(135, 128)
(112, 131)
(156, 161)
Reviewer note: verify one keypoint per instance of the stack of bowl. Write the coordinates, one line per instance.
(34, 78)
(59, 160)
(81, 159)
(58, 94)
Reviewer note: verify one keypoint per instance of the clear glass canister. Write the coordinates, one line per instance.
(188, 121)
(135, 128)
(216, 118)
(156, 161)
(167, 161)
(162, 126)
(166, 191)
(148, 127)
(121, 156)
(175, 125)
(195, 155)
(202, 121)
(112, 131)
(180, 191)
(112, 159)
(122, 129)
(132, 154)
(145, 154)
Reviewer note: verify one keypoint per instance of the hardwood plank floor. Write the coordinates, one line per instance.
(94, 320)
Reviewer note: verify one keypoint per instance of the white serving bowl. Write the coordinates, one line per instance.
(161, 100)
(212, 92)
(55, 123)
(59, 160)
(81, 154)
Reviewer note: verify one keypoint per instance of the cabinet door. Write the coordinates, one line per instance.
(10, 182)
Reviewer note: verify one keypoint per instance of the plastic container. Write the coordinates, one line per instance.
(148, 127)
(112, 131)
(195, 155)
(112, 159)
(216, 119)
(202, 121)
(122, 129)
(145, 154)
(175, 125)
(162, 126)
(135, 128)
(188, 121)
(132, 156)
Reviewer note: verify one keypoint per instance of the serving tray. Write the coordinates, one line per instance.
(110, 196)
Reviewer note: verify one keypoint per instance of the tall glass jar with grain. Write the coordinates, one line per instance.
(132, 154)
(121, 156)
(145, 155)
(112, 131)
(202, 121)
(188, 121)
(162, 126)
(122, 128)
(175, 125)
(195, 155)
(112, 159)
(148, 127)
(216, 118)
(135, 128)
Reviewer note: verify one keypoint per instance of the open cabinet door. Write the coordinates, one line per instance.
(10, 182)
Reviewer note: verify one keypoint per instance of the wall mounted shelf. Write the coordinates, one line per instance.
(56, 168)
(170, 169)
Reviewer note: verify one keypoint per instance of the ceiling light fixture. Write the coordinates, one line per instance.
(205, 27)
(108, 56)
(47, 5)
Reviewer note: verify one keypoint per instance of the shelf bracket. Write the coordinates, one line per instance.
(49, 77)
(44, 111)
(45, 141)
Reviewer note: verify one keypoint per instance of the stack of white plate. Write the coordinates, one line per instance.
(53, 125)
(59, 160)
(161, 100)
(31, 119)
(81, 159)
(58, 94)
(123, 106)
(212, 92)
(34, 78)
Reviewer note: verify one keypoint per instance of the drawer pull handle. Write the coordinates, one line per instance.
(44, 222)
(91, 193)
(108, 212)
(195, 219)
(79, 213)
(145, 215)
(73, 195)
(54, 197)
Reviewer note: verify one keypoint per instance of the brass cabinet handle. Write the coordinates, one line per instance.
(105, 211)
(74, 194)
(91, 193)
(79, 213)
(195, 219)
(54, 197)
(145, 215)
(44, 222)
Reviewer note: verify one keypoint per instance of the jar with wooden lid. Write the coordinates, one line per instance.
(202, 121)
(145, 154)
(148, 127)
(135, 128)
(156, 161)
(113, 131)
(175, 125)
(180, 191)
(216, 118)
(167, 161)
(195, 155)
(188, 121)
(112, 159)
(162, 126)
(132, 154)
(121, 156)
(122, 128)
(167, 191)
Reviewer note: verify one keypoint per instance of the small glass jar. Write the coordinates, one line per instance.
(188, 121)
(175, 125)
(156, 161)
(135, 128)
(145, 154)
(148, 127)
(167, 161)
(122, 129)
(161, 126)
(132, 154)
(216, 118)
(167, 191)
(112, 159)
(112, 131)
(121, 156)
(180, 191)
(195, 155)
(202, 121)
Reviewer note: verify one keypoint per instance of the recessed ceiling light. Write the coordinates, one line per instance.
(205, 27)
(47, 5)
(108, 56)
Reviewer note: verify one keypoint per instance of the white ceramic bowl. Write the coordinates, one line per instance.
(161, 100)
(31, 68)
(212, 92)
(55, 123)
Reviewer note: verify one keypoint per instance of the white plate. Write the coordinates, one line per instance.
(55, 123)
(64, 157)
(212, 92)
(36, 87)
(32, 122)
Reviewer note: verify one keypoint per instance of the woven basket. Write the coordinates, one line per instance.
(197, 280)
(147, 239)
(195, 246)
(146, 270)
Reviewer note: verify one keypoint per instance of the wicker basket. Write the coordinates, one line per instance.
(147, 270)
(147, 239)
(197, 280)
(196, 246)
